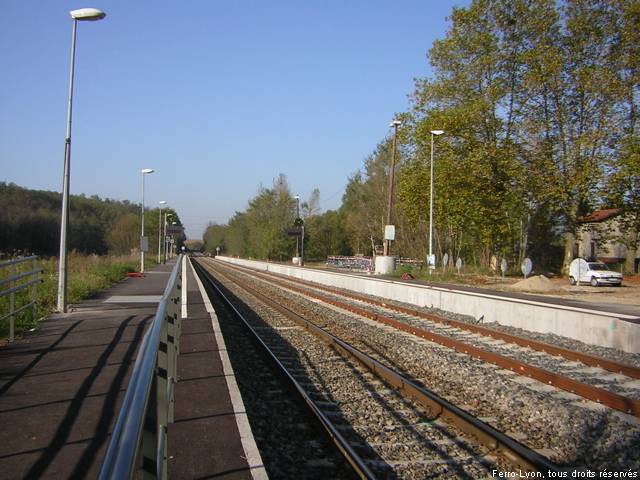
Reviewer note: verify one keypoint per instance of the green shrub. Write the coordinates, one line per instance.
(87, 275)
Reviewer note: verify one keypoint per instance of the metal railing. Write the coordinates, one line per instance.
(18, 282)
(147, 408)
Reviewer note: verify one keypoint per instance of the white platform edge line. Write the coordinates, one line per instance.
(184, 287)
(256, 466)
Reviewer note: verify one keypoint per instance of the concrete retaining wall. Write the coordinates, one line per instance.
(589, 326)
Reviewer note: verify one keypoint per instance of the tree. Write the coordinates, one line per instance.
(325, 235)
(312, 206)
(214, 237)
(364, 203)
(625, 193)
(124, 235)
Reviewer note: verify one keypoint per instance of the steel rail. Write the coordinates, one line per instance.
(341, 443)
(15, 261)
(590, 360)
(22, 286)
(17, 310)
(519, 455)
(138, 413)
(17, 277)
(15, 286)
(610, 399)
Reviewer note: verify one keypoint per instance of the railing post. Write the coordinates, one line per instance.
(34, 291)
(150, 435)
(178, 312)
(164, 382)
(172, 327)
(12, 304)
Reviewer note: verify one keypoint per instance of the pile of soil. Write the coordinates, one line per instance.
(537, 284)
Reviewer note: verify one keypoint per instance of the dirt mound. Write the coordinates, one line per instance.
(537, 284)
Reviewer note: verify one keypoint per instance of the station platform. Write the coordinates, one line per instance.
(61, 388)
(210, 436)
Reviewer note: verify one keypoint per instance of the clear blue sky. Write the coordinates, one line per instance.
(218, 97)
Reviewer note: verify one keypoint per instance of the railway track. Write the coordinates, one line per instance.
(560, 425)
(292, 444)
(576, 372)
(400, 432)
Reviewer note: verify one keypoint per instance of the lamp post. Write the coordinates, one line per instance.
(297, 217)
(431, 261)
(161, 202)
(143, 245)
(83, 15)
(166, 244)
(387, 243)
(172, 248)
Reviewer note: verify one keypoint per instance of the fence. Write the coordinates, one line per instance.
(350, 263)
(364, 264)
(410, 262)
(147, 408)
(18, 282)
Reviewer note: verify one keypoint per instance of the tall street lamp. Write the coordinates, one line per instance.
(161, 202)
(387, 243)
(297, 217)
(144, 245)
(431, 260)
(166, 244)
(83, 15)
(172, 243)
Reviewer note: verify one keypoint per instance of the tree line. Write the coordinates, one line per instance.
(538, 100)
(30, 223)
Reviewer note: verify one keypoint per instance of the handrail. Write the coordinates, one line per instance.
(15, 261)
(15, 286)
(147, 406)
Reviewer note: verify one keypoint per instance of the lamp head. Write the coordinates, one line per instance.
(437, 132)
(162, 202)
(395, 123)
(147, 170)
(87, 14)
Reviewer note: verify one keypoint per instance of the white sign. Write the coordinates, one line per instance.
(459, 264)
(431, 260)
(144, 244)
(389, 232)
(526, 267)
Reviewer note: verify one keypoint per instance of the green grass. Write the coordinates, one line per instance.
(87, 275)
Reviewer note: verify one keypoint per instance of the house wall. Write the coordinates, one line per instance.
(602, 234)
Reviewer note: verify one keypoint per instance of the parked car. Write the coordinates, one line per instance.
(595, 273)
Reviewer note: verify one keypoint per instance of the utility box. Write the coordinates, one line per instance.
(385, 265)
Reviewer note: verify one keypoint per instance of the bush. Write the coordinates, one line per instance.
(87, 275)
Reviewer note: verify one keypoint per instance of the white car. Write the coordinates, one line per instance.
(595, 273)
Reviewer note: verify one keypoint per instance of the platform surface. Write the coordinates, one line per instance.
(61, 388)
(204, 440)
